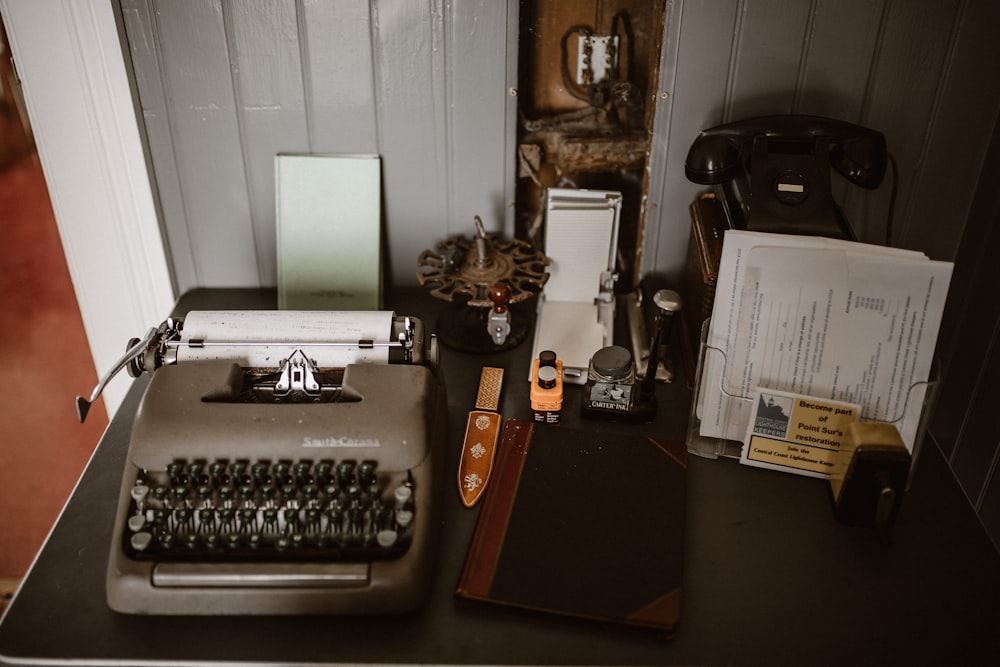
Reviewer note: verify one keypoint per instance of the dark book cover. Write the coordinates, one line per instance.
(582, 523)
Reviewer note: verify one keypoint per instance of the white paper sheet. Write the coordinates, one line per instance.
(831, 319)
(237, 336)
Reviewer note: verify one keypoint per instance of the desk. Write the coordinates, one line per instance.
(770, 577)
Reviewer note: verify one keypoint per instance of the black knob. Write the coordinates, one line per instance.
(668, 302)
(547, 376)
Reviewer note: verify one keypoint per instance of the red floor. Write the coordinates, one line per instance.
(44, 363)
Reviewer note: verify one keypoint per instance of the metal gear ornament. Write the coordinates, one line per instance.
(469, 273)
(467, 268)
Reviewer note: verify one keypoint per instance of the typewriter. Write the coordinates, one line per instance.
(280, 462)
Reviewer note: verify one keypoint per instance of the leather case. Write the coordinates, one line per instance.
(701, 272)
(562, 530)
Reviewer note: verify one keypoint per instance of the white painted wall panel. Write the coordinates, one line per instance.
(409, 92)
(766, 55)
(904, 97)
(143, 48)
(841, 41)
(479, 175)
(692, 92)
(339, 75)
(426, 85)
(227, 85)
(957, 137)
(268, 86)
(206, 141)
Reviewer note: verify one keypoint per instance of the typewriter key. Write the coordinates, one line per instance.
(259, 471)
(139, 493)
(366, 472)
(141, 541)
(175, 469)
(291, 517)
(324, 470)
(403, 495)
(226, 517)
(387, 538)
(345, 473)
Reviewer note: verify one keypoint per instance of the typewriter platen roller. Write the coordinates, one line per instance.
(281, 462)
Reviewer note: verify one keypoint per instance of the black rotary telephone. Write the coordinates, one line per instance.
(774, 171)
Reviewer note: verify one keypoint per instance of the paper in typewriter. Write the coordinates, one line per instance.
(263, 338)
(830, 319)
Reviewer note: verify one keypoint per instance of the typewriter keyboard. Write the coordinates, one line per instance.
(270, 510)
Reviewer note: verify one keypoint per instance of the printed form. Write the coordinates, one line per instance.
(819, 317)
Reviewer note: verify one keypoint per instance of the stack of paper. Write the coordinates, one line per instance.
(823, 318)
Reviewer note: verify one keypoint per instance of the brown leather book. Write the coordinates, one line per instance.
(582, 523)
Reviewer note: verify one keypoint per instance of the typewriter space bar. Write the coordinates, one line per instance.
(260, 575)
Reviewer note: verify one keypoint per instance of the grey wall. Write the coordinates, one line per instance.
(964, 418)
(920, 71)
(428, 84)
(225, 85)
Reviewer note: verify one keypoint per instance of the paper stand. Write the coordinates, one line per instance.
(915, 406)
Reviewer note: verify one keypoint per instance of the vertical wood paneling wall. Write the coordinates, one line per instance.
(430, 85)
(964, 419)
(225, 85)
(920, 71)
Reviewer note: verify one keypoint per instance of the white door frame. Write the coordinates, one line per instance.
(69, 58)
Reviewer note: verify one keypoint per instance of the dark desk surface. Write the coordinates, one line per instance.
(770, 577)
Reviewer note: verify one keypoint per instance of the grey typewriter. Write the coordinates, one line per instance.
(280, 462)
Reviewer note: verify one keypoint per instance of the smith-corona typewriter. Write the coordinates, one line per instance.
(281, 462)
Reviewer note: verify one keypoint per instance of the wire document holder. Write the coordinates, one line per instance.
(919, 399)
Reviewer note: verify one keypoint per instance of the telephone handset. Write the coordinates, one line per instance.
(775, 170)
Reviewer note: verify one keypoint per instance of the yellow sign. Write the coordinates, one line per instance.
(797, 433)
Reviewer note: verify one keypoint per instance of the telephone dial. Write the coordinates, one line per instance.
(774, 171)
